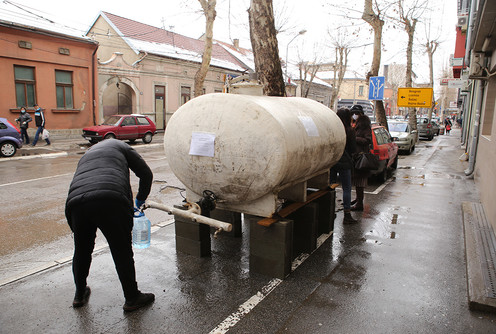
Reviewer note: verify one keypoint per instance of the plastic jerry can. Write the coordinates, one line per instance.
(141, 231)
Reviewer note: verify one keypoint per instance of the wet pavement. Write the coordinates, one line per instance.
(402, 269)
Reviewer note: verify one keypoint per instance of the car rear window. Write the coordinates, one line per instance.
(3, 126)
(142, 121)
(382, 136)
(398, 127)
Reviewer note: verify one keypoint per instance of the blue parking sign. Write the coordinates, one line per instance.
(376, 88)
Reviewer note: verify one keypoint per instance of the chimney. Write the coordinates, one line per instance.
(236, 43)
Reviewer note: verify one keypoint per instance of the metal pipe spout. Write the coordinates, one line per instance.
(193, 214)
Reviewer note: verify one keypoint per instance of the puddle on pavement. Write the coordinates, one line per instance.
(382, 229)
(433, 175)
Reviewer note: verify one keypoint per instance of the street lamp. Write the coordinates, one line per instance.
(287, 49)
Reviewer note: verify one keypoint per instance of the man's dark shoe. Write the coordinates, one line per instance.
(141, 300)
(80, 299)
(348, 219)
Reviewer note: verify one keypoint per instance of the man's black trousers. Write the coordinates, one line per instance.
(115, 220)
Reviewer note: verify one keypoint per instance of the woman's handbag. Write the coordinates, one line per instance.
(366, 161)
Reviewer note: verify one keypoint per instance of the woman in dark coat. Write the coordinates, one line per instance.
(345, 165)
(363, 133)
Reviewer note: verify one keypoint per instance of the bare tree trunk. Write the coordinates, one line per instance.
(305, 70)
(409, 19)
(208, 7)
(375, 21)
(265, 48)
(340, 67)
(410, 29)
(431, 47)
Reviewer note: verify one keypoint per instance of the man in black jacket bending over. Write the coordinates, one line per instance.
(100, 196)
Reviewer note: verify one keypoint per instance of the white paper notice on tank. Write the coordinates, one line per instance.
(309, 125)
(202, 144)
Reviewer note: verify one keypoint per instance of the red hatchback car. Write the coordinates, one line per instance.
(124, 127)
(386, 150)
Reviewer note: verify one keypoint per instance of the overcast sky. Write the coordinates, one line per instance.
(322, 19)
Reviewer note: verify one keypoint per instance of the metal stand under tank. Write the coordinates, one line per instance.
(274, 242)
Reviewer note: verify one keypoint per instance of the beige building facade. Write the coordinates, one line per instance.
(147, 70)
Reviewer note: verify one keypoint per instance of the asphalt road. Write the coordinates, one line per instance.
(402, 269)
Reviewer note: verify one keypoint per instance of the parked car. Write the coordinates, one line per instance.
(427, 128)
(402, 135)
(10, 138)
(436, 128)
(387, 151)
(124, 127)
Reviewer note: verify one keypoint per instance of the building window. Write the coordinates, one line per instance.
(64, 87)
(360, 90)
(25, 86)
(185, 94)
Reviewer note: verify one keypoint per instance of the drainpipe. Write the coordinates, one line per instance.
(471, 25)
(93, 84)
(475, 133)
(139, 60)
(466, 103)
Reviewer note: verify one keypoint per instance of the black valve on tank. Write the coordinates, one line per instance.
(207, 202)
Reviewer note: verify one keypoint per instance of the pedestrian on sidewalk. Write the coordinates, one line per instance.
(363, 133)
(447, 125)
(100, 196)
(39, 119)
(23, 120)
(345, 164)
(356, 111)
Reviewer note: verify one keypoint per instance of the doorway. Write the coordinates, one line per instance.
(160, 107)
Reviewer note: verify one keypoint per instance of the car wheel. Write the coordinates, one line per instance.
(431, 137)
(109, 136)
(93, 141)
(7, 149)
(412, 148)
(147, 139)
(383, 175)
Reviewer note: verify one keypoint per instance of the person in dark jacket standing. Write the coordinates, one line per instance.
(39, 120)
(363, 133)
(100, 196)
(345, 165)
(23, 120)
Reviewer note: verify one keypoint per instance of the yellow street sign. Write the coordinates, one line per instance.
(415, 97)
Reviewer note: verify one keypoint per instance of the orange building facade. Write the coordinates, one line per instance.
(56, 71)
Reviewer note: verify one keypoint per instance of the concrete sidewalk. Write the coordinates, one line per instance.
(402, 269)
